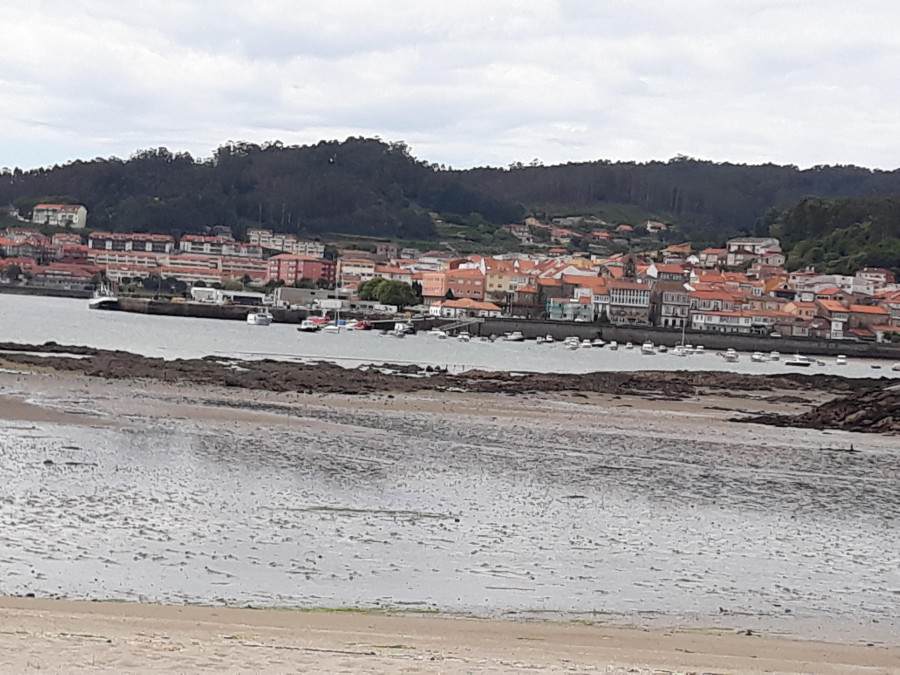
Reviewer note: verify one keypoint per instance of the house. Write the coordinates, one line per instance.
(864, 316)
(668, 272)
(712, 257)
(284, 242)
(63, 275)
(566, 309)
(355, 271)
(837, 315)
(711, 301)
(629, 303)
(878, 276)
(60, 215)
(464, 308)
(722, 322)
(466, 283)
(671, 304)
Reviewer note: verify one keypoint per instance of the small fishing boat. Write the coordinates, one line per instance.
(758, 357)
(774, 356)
(260, 318)
(840, 360)
(648, 348)
(731, 356)
(514, 336)
(798, 361)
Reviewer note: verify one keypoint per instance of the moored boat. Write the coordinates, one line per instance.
(309, 326)
(731, 356)
(758, 357)
(840, 360)
(514, 336)
(103, 298)
(798, 361)
(648, 348)
(260, 318)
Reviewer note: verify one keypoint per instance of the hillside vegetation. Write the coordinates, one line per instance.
(841, 236)
(367, 187)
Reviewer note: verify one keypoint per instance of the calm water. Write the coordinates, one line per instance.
(66, 321)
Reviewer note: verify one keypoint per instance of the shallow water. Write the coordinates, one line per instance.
(36, 320)
(532, 515)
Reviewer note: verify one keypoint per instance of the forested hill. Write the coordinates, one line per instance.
(369, 187)
(841, 236)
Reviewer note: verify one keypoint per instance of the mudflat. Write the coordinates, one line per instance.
(707, 543)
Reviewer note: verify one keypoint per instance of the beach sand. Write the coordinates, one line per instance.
(70, 636)
(60, 635)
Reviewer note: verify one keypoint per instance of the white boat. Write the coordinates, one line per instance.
(613, 345)
(548, 338)
(896, 367)
(103, 298)
(731, 356)
(774, 356)
(597, 342)
(331, 328)
(758, 357)
(628, 345)
(799, 361)
(260, 318)
(571, 342)
(840, 360)
(587, 344)
(438, 333)
(463, 336)
(515, 336)
(699, 349)
(309, 326)
(679, 350)
(648, 348)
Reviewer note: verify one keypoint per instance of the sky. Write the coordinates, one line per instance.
(463, 83)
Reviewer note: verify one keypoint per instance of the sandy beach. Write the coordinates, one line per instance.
(69, 636)
(52, 418)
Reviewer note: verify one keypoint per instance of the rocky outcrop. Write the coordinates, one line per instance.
(874, 411)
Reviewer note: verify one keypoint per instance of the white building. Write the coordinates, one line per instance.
(60, 215)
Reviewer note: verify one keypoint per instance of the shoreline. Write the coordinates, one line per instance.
(127, 637)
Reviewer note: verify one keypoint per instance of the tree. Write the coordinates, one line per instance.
(397, 293)
(369, 290)
(13, 271)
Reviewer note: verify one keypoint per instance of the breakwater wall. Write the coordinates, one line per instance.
(49, 292)
(711, 341)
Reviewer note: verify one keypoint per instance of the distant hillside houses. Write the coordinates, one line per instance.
(287, 243)
(60, 215)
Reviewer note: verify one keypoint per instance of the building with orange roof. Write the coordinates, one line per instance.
(864, 316)
(711, 301)
(712, 257)
(466, 283)
(64, 276)
(836, 314)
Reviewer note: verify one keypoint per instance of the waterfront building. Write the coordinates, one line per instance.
(629, 302)
(466, 283)
(291, 268)
(464, 308)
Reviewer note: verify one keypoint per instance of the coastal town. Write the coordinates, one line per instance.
(742, 288)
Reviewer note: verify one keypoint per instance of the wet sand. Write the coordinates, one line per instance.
(357, 433)
(54, 635)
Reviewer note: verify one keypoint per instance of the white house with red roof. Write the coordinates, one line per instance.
(60, 215)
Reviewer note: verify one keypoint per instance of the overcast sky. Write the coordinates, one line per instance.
(464, 83)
